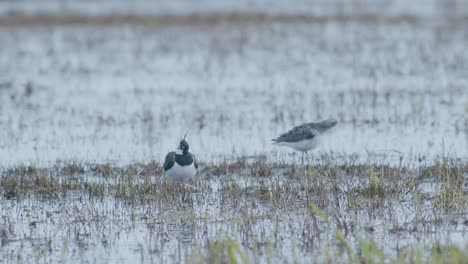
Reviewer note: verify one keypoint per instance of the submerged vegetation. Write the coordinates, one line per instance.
(249, 210)
(246, 176)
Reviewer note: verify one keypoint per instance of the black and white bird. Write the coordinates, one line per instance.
(306, 136)
(180, 165)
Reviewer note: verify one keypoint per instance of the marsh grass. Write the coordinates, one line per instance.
(375, 187)
(367, 251)
(453, 191)
(333, 202)
(267, 181)
(23, 181)
(193, 19)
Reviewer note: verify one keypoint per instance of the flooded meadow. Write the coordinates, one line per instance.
(90, 105)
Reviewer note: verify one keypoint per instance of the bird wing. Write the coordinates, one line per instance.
(297, 134)
(170, 159)
(324, 125)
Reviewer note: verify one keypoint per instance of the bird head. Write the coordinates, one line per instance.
(183, 145)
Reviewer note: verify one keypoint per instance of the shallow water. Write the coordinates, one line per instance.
(173, 227)
(128, 93)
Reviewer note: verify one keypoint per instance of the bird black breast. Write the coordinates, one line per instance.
(184, 160)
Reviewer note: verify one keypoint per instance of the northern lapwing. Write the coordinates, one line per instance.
(180, 165)
(304, 137)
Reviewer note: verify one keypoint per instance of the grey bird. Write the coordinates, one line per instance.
(180, 165)
(306, 136)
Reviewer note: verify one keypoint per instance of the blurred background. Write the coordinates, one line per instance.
(122, 81)
(177, 7)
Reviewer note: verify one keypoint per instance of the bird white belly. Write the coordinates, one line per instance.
(303, 145)
(181, 173)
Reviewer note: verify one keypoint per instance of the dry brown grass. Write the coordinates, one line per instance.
(19, 19)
